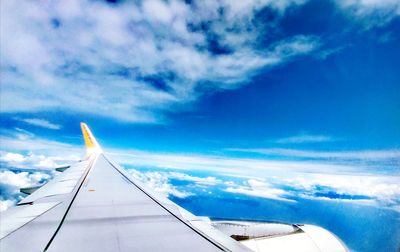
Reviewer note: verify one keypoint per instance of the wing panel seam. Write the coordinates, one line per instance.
(70, 204)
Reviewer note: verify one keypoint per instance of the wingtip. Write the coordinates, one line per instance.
(90, 140)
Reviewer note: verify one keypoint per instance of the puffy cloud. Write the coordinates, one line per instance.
(132, 60)
(12, 181)
(159, 182)
(12, 158)
(22, 149)
(35, 161)
(377, 191)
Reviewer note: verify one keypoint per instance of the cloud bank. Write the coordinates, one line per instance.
(335, 176)
(376, 191)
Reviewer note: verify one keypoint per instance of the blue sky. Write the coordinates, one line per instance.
(297, 99)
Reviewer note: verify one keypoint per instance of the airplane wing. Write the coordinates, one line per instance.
(94, 205)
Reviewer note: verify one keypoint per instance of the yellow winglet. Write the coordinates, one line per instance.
(90, 141)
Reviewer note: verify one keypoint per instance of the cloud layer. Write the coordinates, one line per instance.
(134, 60)
(336, 176)
(284, 181)
(377, 191)
(358, 155)
(129, 61)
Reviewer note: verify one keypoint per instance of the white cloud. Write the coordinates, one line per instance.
(22, 149)
(21, 141)
(209, 181)
(278, 180)
(371, 12)
(135, 61)
(382, 191)
(158, 181)
(131, 61)
(258, 188)
(304, 138)
(5, 204)
(12, 157)
(324, 54)
(379, 191)
(35, 161)
(40, 123)
(11, 182)
(361, 154)
(222, 164)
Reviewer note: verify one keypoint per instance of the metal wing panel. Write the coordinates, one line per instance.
(63, 183)
(110, 213)
(13, 220)
(198, 223)
(35, 219)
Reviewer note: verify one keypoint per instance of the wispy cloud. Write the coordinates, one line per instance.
(324, 54)
(22, 142)
(130, 60)
(362, 154)
(223, 164)
(209, 180)
(258, 188)
(371, 12)
(304, 138)
(135, 60)
(39, 122)
(22, 149)
(18, 142)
